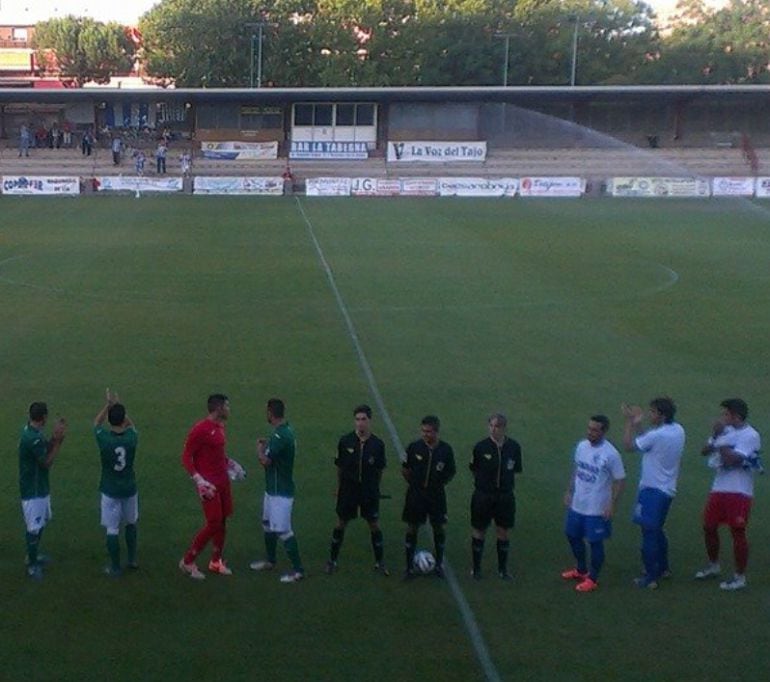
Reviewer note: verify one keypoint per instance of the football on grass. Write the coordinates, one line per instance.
(424, 562)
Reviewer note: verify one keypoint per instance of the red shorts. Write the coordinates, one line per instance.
(219, 507)
(727, 508)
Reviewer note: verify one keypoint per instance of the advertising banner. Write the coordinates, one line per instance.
(239, 150)
(327, 187)
(658, 187)
(375, 187)
(138, 183)
(436, 152)
(419, 187)
(272, 186)
(20, 184)
(328, 150)
(763, 187)
(478, 187)
(551, 187)
(732, 187)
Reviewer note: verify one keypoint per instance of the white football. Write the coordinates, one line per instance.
(424, 562)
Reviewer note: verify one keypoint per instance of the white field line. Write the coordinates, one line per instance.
(469, 619)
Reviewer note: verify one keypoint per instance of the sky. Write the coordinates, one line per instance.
(32, 11)
(128, 11)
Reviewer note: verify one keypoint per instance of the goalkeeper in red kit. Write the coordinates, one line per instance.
(205, 460)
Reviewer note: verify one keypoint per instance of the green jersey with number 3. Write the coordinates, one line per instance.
(117, 451)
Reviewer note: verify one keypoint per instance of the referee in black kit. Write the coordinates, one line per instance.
(495, 462)
(360, 461)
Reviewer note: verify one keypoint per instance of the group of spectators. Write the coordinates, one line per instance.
(43, 137)
(59, 136)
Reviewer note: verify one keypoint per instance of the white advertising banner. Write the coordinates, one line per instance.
(551, 187)
(239, 150)
(419, 187)
(272, 186)
(374, 187)
(436, 152)
(763, 187)
(658, 187)
(732, 187)
(138, 183)
(39, 185)
(328, 150)
(478, 187)
(327, 187)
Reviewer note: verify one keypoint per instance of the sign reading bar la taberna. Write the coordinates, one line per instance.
(328, 150)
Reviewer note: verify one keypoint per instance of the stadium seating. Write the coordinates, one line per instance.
(585, 162)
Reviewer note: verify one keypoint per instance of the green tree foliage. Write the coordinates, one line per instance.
(452, 42)
(708, 45)
(84, 49)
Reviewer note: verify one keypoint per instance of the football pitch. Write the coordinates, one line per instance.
(548, 311)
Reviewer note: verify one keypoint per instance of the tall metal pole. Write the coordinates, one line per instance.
(251, 69)
(507, 58)
(259, 58)
(574, 51)
(507, 37)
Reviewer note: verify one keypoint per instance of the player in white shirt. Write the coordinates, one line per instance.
(661, 448)
(597, 480)
(733, 450)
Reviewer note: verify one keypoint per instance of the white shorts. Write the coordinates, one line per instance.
(37, 513)
(276, 514)
(117, 510)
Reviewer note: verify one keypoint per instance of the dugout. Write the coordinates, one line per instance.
(506, 117)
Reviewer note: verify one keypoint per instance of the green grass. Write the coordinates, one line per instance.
(549, 311)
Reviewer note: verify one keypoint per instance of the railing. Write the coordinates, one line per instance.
(16, 43)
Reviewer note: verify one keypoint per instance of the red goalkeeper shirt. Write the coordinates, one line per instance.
(204, 452)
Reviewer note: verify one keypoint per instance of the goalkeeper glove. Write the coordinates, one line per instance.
(206, 490)
(234, 470)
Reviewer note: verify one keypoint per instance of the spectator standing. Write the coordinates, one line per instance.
(117, 148)
(160, 157)
(25, 139)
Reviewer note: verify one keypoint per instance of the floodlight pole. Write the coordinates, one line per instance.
(256, 47)
(507, 37)
(259, 58)
(573, 72)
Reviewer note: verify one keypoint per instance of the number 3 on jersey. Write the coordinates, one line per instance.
(120, 458)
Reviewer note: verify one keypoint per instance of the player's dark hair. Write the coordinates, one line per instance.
(431, 420)
(603, 420)
(37, 411)
(498, 417)
(736, 406)
(216, 400)
(666, 407)
(116, 415)
(363, 408)
(276, 407)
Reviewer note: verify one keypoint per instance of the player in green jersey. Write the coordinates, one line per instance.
(36, 456)
(119, 502)
(276, 455)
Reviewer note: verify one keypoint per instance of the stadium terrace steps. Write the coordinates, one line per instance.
(509, 162)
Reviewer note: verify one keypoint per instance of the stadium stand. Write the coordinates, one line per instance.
(587, 162)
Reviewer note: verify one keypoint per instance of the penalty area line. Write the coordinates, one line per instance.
(468, 617)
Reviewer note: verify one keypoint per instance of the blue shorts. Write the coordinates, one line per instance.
(651, 508)
(592, 528)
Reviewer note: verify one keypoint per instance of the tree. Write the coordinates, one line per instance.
(83, 49)
(199, 43)
(707, 45)
(395, 42)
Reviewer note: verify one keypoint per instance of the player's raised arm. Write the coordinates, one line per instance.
(54, 445)
(632, 424)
